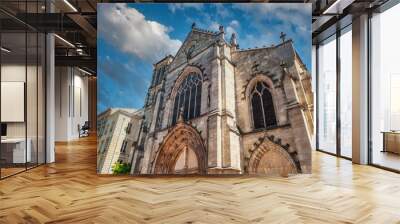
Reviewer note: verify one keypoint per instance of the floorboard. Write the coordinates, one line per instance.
(69, 191)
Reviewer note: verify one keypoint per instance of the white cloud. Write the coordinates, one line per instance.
(280, 9)
(234, 24)
(222, 10)
(293, 19)
(232, 28)
(229, 31)
(252, 41)
(127, 29)
(214, 26)
(180, 6)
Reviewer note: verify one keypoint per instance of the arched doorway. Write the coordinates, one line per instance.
(270, 158)
(182, 152)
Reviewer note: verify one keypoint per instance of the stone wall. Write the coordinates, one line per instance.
(274, 66)
(225, 124)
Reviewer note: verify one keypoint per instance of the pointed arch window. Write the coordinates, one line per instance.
(262, 107)
(188, 98)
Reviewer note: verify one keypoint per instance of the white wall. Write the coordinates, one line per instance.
(33, 126)
(80, 110)
(61, 103)
(71, 102)
(16, 73)
(13, 100)
(314, 89)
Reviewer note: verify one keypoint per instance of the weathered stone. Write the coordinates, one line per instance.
(226, 108)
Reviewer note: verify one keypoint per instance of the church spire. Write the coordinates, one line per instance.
(221, 28)
(233, 41)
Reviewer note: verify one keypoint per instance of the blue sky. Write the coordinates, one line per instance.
(132, 37)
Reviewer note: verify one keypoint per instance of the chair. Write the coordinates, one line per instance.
(84, 130)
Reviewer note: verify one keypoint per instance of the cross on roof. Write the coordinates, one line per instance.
(283, 36)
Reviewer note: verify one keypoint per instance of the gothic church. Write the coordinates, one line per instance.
(214, 108)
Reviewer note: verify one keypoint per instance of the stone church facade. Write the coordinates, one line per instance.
(214, 108)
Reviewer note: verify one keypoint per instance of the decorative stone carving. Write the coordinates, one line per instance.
(182, 136)
(281, 154)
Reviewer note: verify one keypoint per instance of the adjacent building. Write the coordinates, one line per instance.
(116, 137)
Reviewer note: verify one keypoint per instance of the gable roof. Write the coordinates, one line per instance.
(203, 39)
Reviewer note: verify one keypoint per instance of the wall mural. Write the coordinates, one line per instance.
(204, 89)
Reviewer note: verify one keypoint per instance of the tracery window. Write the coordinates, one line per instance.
(188, 98)
(262, 107)
(159, 75)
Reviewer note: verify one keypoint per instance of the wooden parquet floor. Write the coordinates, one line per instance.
(69, 191)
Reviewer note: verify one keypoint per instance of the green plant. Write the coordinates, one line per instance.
(121, 168)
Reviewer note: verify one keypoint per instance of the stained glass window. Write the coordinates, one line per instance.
(188, 98)
(262, 107)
